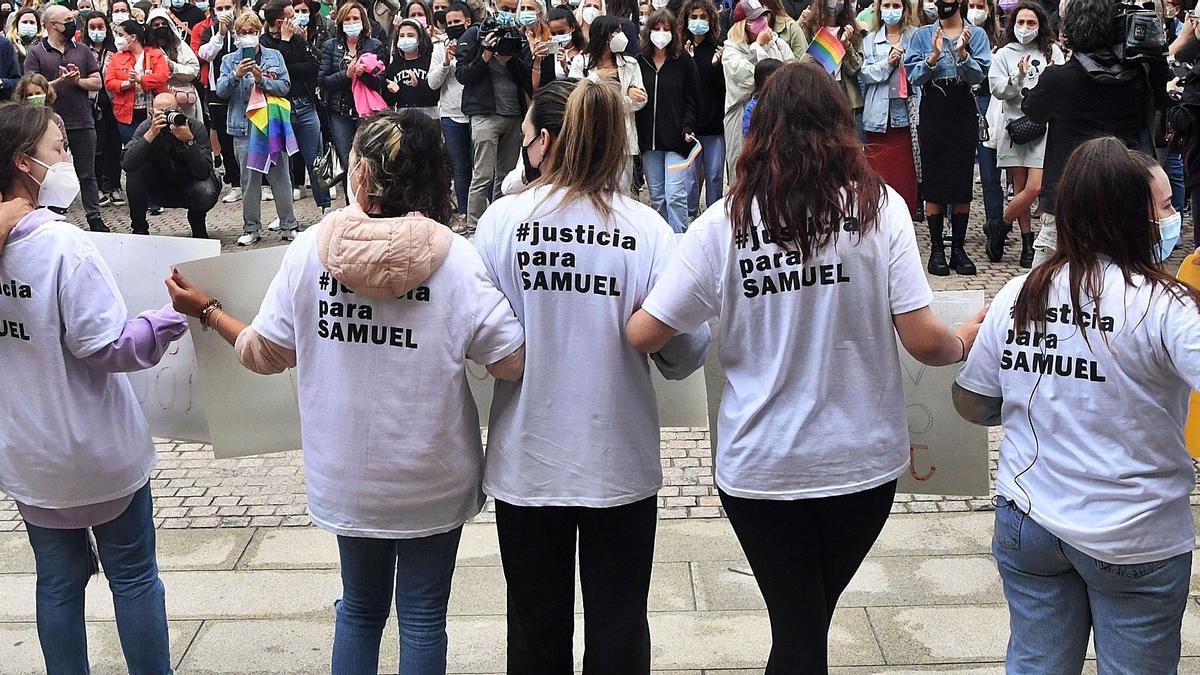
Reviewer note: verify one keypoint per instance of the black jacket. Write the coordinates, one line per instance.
(671, 104)
(301, 65)
(335, 84)
(473, 73)
(168, 159)
(710, 107)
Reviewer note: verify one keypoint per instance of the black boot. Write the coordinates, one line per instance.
(937, 246)
(997, 235)
(1027, 249)
(959, 262)
(919, 216)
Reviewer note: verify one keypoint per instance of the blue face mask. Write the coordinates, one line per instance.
(300, 20)
(506, 18)
(178, 3)
(698, 27)
(891, 16)
(202, 5)
(527, 17)
(352, 29)
(1168, 232)
(407, 44)
(97, 36)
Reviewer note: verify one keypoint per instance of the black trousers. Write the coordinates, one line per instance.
(218, 112)
(616, 549)
(803, 553)
(198, 197)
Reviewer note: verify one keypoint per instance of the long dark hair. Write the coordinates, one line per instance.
(1045, 37)
(21, 127)
(408, 164)
(170, 44)
(107, 45)
(1104, 211)
(599, 33)
(424, 42)
(564, 13)
(660, 16)
(802, 164)
(549, 104)
(713, 36)
(622, 9)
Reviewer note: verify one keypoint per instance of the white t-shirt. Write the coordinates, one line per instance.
(390, 431)
(71, 435)
(1093, 442)
(582, 428)
(814, 405)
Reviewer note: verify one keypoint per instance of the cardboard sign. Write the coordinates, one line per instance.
(1189, 273)
(947, 454)
(169, 392)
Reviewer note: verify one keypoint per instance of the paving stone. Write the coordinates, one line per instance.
(21, 654)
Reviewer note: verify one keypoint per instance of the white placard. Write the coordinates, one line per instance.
(169, 392)
(248, 414)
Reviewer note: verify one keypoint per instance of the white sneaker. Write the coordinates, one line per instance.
(289, 235)
(249, 238)
(234, 195)
(332, 193)
(298, 194)
(274, 226)
(266, 194)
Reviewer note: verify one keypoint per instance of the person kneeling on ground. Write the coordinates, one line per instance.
(170, 165)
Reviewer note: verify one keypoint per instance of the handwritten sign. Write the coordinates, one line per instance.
(947, 454)
(168, 393)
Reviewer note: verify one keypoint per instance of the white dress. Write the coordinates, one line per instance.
(1008, 87)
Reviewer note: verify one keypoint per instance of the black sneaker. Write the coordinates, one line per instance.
(97, 225)
(106, 199)
(155, 210)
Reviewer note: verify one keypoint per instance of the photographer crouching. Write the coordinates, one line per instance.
(169, 162)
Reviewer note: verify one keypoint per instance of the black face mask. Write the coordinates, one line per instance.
(532, 173)
(162, 34)
(439, 17)
(69, 28)
(947, 9)
(455, 32)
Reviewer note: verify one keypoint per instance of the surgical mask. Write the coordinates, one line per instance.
(60, 187)
(930, 9)
(224, 14)
(698, 27)
(202, 6)
(1025, 35)
(589, 14)
(352, 29)
(560, 40)
(97, 36)
(299, 20)
(122, 17)
(247, 41)
(527, 17)
(1008, 5)
(618, 43)
(36, 101)
(658, 4)
(977, 16)
(455, 32)
(178, 3)
(407, 44)
(506, 18)
(1168, 232)
(891, 17)
(945, 10)
(121, 43)
(26, 30)
(418, 19)
(660, 38)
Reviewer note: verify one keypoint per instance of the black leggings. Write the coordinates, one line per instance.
(616, 549)
(803, 553)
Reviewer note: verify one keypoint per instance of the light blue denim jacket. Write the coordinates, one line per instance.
(883, 108)
(972, 70)
(275, 83)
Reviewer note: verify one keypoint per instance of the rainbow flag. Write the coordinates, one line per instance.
(271, 136)
(826, 50)
(687, 163)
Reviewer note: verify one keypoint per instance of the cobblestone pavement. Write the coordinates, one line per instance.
(194, 490)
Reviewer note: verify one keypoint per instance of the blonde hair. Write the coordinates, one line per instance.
(909, 19)
(589, 157)
(247, 19)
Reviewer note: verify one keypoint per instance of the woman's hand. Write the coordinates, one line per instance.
(1023, 65)
(765, 37)
(968, 330)
(185, 298)
(964, 42)
(938, 39)
(637, 95)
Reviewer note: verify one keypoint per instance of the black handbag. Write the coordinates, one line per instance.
(1024, 130)
(328, 168)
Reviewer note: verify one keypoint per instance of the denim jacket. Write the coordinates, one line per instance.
(884, 109)
(971, 70)
(275, 82)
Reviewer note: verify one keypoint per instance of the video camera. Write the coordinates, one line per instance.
(176, 118)
(511, 40)
(1138, 33)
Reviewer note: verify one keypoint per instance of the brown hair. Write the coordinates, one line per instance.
(802, 165)
(20, 92)
(1104, 211)
(589, 157)
(658, 17)
(710, 14)
(21, 127)
(344, 11)
(408, 168)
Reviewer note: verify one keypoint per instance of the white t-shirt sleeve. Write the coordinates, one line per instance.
(908, 289)
(685, 294)
(92, 310)
(276, 315)
(496, 333)
(981, 374)
(1181, 338)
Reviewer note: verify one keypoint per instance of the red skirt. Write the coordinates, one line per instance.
(891, 155)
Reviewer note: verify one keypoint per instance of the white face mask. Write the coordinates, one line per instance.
(120, 17)
(224, 14)
(618, 43)
(1025, 35)
(560, 40)
(247, 41)
(121, 43)
(26, 30)
(1168, 232)
(930, 9)
(590, 14)
(60, 187)
(660, 38)
(977, 16)
(352, 29)
(658, 4)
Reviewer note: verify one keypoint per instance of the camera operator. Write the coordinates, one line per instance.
(169, 162)
(494, 67)
(1110, 86)
(1183, 119)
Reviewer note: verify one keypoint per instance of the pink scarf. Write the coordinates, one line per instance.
(366, 99)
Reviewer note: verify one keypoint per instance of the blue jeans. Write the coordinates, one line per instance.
(342, 130)
(668, 189)
(712, 160)
(1174, 168)
(307, 127)
(64, 565)
(989, 175)
(458, 144)
(420, 571)
(1057, 595)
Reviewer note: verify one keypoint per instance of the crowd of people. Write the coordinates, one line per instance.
(536, 129)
